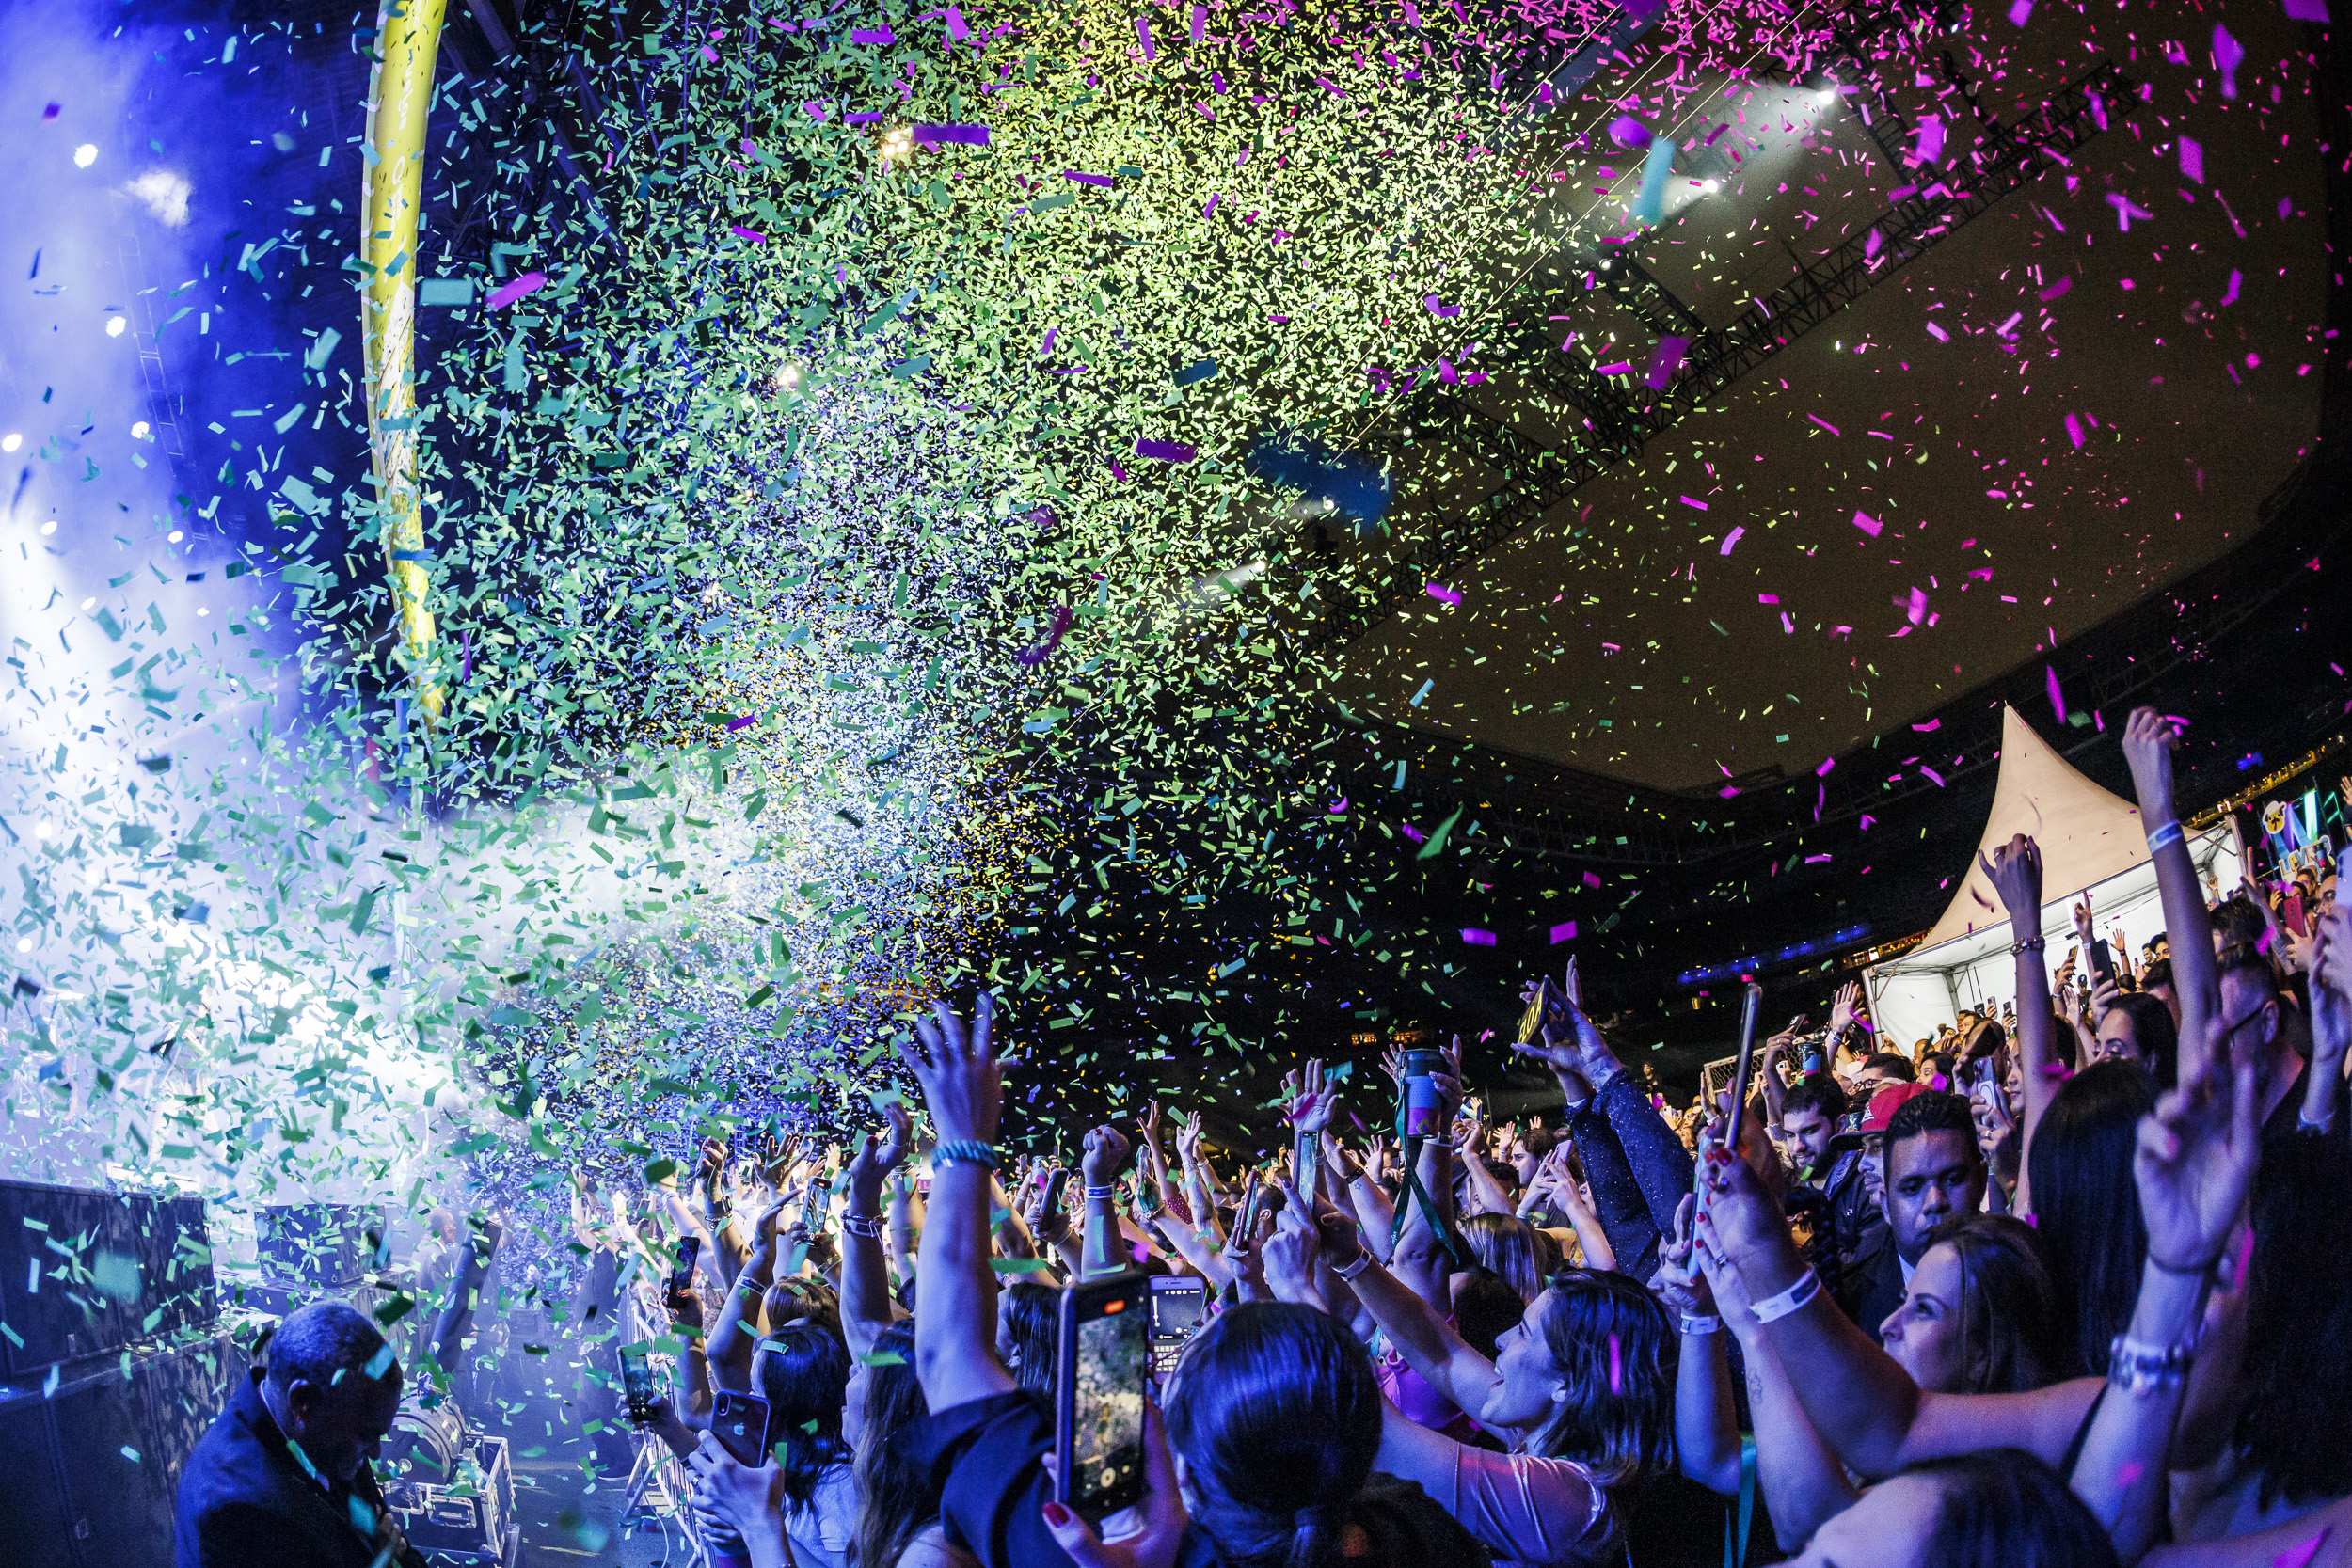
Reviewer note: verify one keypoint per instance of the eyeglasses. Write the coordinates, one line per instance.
(2229, 1031)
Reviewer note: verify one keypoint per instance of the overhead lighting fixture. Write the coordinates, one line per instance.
(898, 142)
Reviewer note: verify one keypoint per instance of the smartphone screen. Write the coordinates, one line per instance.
(2102, 960)
(739, 1423)
(636, 1381)
(1245, 1218)
(1105, 1352)
(1057, 1182)
(1178, 1305)
(682, 1276)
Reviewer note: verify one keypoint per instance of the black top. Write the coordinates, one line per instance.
(244, 1499)
(986, 1458)
(1874, 1287)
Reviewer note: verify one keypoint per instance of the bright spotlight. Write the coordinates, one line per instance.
(1710, 186)
(115, 325)
(138, 431)
(898, 142)
(11, 441)
(84, 156)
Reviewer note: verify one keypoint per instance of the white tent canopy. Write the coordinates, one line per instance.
(2091, 841)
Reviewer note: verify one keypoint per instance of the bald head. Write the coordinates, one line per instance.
(333, 1385)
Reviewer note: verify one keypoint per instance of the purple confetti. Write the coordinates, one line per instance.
(1732, 538)
(2192, 159)
(743, 723)
(1561, 933)
(507, 293)
(742, 233)
(959, 135)
(1102, 180)
(872, 35)
(2229, 55)
(2058, 697)
(1694, 503)
(2055, 291)
(2075, 431)
(1034, 656)
(1867, 524)
(1667, 360)
(2308, 10)
(1167, 451)
(1438, 307)
(1628, 133)
(1143, 35)
(1440, 592)
(1199, 22)
(1477, 938)
(2019, 12)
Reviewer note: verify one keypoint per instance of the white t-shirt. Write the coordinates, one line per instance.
(823, 1528)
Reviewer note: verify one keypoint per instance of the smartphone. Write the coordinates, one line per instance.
(739, 1423)
(1179, 1302)
(1245, 1218)
(2102, 960)
(682, 1277)
(1751, 1004)
(1056, 1183)
(819, 1200)
(636, 1383)
(1104, 1353)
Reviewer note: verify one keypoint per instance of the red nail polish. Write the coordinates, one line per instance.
(1056, 1515)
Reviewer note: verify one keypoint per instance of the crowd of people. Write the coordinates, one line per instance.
(2069, 1287)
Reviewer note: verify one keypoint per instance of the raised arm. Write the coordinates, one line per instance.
(866, 1310)
(954, 1301)
(1105, 1155)
(2148, 741)
(2332, 1015)
(2015, 872)
(2194, 1167)
(456, 1314)
(1853, 1391)
(730, 1341)
(1707, 1417)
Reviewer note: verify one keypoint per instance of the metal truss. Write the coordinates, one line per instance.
(1538, 477)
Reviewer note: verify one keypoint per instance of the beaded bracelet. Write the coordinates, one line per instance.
(867, 1226)
(2139, 1368)
(970, 1152)
(1774, 1308)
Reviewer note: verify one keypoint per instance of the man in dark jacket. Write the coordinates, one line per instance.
(281, 1476)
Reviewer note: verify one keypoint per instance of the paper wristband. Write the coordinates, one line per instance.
(1772, 1308)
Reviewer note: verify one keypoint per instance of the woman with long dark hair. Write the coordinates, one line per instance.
(803, 1373)
(1975, 1317)
(2087, 1211)
(897, 1524)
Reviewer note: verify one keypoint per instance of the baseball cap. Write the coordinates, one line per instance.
(1880, 1111)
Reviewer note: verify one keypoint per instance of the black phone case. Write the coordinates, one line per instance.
(739, 1423)
(1137, 1289)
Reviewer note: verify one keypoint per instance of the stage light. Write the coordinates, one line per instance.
(138, 431)
(1710, 186)
(115, 325)
(24, 945)
(175, 536)
(89, 605)
(11, 441)
(898, 142)
(84, 156)
(43, 831)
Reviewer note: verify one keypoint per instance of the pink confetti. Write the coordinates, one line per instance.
(2300, 1555)
(1938, 333)
(2019, 12)
(1917, 610)
(2058, 697)
(2228, 54)
(1823, 423)
(1867, 524)
(507, 293)
(2056, 291)
(1732, 538)
(2075, 431)
(1930, 144)
(1563, 933)
(1823, 771)
(2235, 277)
(2125, 211)
(1934, 777)
(2192, 159)
(2307, 10)
(1477, 938)
(1439, 591)
(1199, 22)
(1694, 505)
(1617, 1366)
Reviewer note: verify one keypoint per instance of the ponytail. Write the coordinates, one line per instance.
(1318, 1534)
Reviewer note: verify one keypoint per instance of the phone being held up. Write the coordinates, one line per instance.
(681, 1288)
(1105, 1352)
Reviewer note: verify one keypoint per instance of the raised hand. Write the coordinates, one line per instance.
(961, 1076)
(2084, 929)
(1104, 1157)
(2015, 872)
(876, 1158)
(1316, 1099)
(1844, 1007)
(1681, 1284)
(2195, 1162)
(2148, 741)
